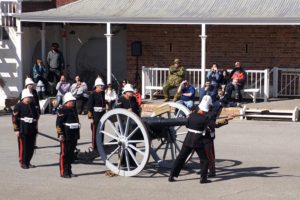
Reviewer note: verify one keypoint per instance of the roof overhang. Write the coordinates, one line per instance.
(239, 12)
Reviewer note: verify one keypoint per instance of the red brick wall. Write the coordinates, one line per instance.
(34, 6)
(256, 47)
(63, 2)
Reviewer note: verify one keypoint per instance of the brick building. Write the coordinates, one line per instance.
(259, 34)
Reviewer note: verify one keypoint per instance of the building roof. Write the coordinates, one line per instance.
(172, 12)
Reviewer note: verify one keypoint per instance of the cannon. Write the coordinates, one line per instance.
(125, 141)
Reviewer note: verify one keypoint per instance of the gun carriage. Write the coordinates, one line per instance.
(125, 141)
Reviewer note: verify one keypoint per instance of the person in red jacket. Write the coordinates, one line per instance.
(138, 96)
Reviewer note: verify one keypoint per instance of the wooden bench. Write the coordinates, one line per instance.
(270, 114)
(252, 93)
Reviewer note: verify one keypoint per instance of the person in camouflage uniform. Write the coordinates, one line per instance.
(175, 78)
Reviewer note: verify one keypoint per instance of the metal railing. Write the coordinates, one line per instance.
(154, 78)
(286, 82)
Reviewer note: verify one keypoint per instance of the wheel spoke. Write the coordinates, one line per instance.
(176, 147)
(127, 126)
(111, 143)
(136, 149)
(109, 135)
(177, 114)
(121, 158)
(135, 141)
(172, 151)
(132, 156)
(181, 133)
(113, 127)
(112, 153)
(132, 133)
(160, 145)
(127, 161)
(166, 150)
(120, 125)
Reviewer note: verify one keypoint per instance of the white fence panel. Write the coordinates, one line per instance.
(154, 78)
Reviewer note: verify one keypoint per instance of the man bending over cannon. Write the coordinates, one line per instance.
(196, 139)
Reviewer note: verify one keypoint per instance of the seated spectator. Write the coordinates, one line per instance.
(111, 96)
(40, 73)
(120, 89)
(79, 91)
(237, 81)
(62, 88)
(138, 96)
(207, 89)
(214, 76)
(225, 79)
(187, 94)
(223, 101)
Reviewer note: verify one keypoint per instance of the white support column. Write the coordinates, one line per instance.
(275, 82)
(203, 53)
(108, 40)
(19, 67)
(266, 85)
(43, 42)
(64, 46)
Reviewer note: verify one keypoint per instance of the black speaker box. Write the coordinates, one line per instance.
(136, 48)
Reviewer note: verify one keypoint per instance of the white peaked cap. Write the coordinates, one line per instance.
(68, 97)
(26, 93)
(28, 81)
(128, 88)
(205, 103)
(98, 81)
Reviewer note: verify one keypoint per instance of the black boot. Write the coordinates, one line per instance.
(204, 180)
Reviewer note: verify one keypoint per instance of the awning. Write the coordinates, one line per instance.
(172, 12)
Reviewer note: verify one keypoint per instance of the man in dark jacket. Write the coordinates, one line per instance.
(196, 139)
(96, 106)
(67, 127)
(24, 119)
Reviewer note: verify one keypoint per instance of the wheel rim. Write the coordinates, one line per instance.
(166, 150)
(125, 147)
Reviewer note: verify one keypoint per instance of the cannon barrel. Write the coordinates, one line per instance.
(159, 122)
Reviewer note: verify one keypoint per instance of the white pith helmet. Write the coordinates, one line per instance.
(205, 103)
(26, 93)
(127, 88)
(28, 81)
(68, 97)
(99, 81)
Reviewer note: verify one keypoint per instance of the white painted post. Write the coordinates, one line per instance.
(64, 47)
(266, 85)
(275, 82)
(19, 66)
(43, 43)
(143, 83)
(203, 53)
(108, 40)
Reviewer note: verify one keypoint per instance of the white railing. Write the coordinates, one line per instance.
(154, 78)
(286, 82)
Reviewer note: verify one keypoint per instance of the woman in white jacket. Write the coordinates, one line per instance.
(110, 96)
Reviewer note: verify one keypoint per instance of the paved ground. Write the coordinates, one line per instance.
(255, 160)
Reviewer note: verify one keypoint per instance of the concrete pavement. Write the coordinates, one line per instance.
(255, 160)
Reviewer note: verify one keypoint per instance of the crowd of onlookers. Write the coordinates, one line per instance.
(223, 87)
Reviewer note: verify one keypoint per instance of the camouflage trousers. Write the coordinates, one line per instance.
(167, 87)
